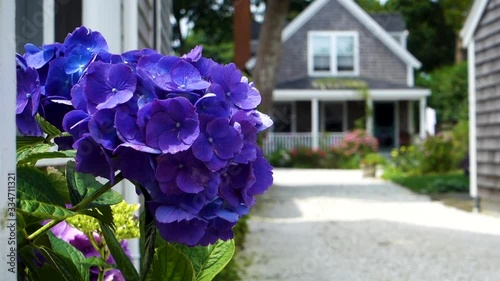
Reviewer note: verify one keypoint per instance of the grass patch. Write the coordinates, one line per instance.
(437, 183)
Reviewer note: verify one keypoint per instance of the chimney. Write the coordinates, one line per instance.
(242, 20)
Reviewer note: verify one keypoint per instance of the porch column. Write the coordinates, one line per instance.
(369, 117)
(315, 123)
(411, 123)
(423, 105)
(8, 138)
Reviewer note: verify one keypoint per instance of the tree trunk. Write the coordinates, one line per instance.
(242, 20)
(459, 51)
(269, 51)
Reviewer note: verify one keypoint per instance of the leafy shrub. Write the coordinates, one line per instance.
(280, 158)
(407, 159)
(438, 154)
(460, 139)
(449, 185)
(358, 142)
(305, 157)
(373, 159)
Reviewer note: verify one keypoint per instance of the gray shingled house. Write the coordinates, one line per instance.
(481, 36)
(337, 61)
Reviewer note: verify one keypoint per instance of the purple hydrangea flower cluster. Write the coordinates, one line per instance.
(81, 242)
(185, 128)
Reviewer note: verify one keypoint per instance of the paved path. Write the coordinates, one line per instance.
(318, 225)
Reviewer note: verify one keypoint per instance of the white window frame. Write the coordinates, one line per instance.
(333, 54)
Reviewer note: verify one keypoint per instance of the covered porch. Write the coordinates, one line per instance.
(320, 118)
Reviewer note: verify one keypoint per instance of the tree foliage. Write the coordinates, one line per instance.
(449, 92)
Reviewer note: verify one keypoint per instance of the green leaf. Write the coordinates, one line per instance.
(33, 157)
(63, 265)
(28, 258)
(48, 128)
(37, 197)
(44, 210)
(32, 149)
(22, 141)
(101, 213)
(67, 250)
(46, 272)
(210, 260)
(123, 263)
(58, 181)
(84, 185)
(35, 185)
(170, 264)
(148, 237)
(94, 261)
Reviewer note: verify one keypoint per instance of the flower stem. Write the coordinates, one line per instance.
(87, 200)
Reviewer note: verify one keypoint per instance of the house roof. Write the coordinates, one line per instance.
(391, 22)
(370, 23)
(344, 83)
(472, 21)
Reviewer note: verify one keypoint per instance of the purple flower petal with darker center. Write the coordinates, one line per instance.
(102, 128)
(27, 124)
(169, 125)
(28, 91)
(78, 60)
(93, 41)
(183, 172)
(218, 142)
(109, 85)
(91, 158)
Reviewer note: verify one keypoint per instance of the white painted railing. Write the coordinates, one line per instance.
(287, 141)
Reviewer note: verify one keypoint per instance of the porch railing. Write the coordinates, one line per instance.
(287, 141)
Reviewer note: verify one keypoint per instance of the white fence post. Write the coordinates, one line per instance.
(8, 241)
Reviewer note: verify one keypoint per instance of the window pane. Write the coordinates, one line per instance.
(321, 53)
(345, 53)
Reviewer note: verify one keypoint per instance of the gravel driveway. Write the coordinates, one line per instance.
(320, 225)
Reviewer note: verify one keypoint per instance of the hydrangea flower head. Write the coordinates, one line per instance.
(184, 128)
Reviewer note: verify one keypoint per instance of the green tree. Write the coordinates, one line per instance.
(205, 17)
(431, 39)
(449, 89)
(372, 6)
(455, 13)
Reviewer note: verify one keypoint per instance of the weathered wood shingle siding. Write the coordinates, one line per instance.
(487, 44)
(166, 31)
(146, 24)
(376, 60)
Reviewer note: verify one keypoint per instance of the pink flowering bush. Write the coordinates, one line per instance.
(357, 142)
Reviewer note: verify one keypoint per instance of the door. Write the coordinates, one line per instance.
(384, 124)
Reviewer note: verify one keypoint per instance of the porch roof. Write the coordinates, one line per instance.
(345, 88)
(339, 83)
(349, 94)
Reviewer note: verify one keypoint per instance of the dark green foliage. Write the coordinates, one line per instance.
(438, 183)
(449, 89)
(431, 39)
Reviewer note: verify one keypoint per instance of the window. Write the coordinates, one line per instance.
(321, 53)
(345, 53)
(333, 53)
